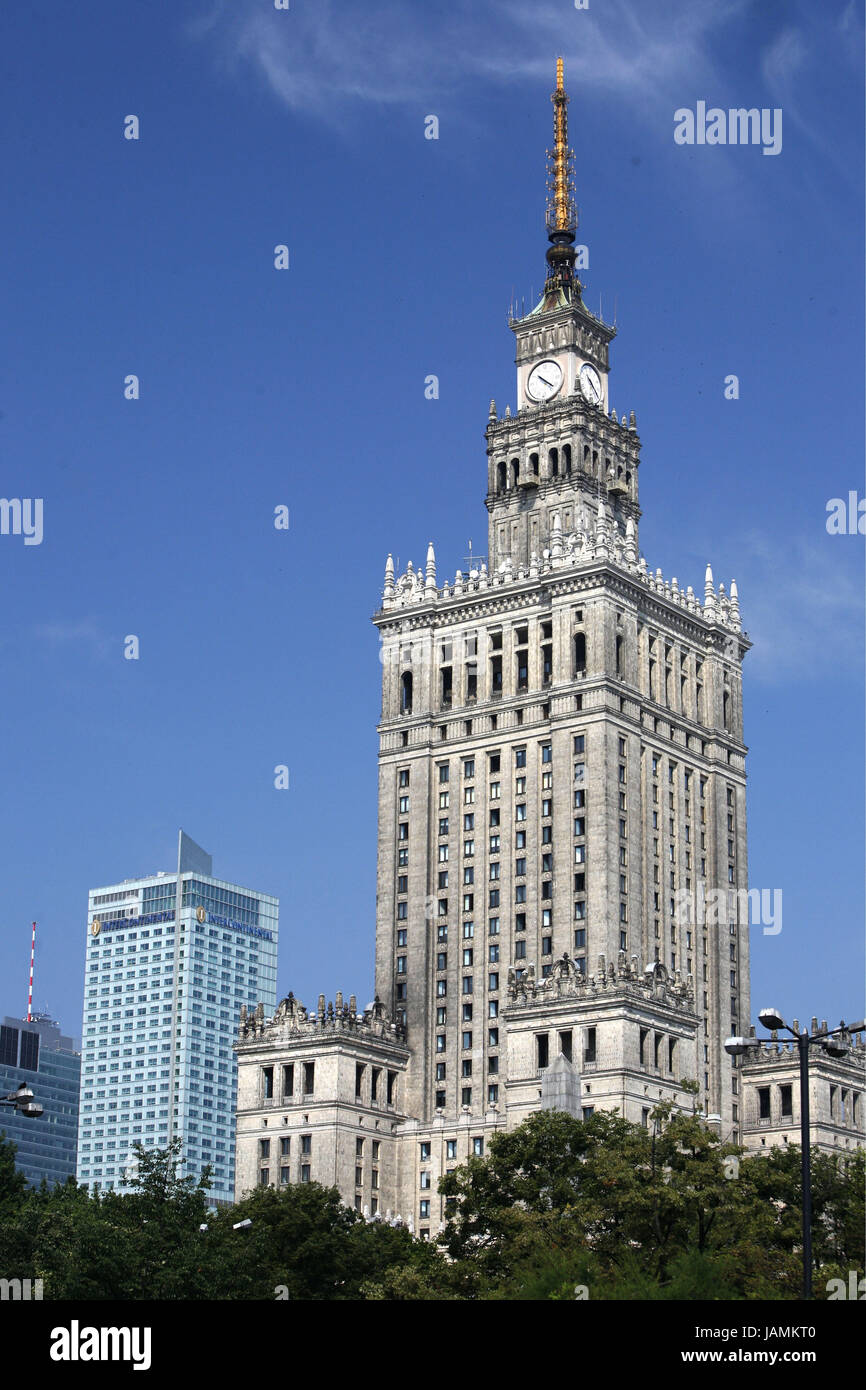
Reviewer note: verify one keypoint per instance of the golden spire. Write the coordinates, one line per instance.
(561, 212)
(561, 283)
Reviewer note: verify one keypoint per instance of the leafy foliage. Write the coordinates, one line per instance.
(559, 1208)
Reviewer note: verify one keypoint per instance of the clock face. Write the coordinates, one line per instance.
(544, 381)
(590, 384)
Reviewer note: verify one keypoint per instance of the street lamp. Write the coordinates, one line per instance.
(835, 1042)
(22, 1101)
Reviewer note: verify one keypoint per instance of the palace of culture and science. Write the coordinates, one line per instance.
(562, 905)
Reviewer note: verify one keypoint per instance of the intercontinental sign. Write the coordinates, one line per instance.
(97, 925)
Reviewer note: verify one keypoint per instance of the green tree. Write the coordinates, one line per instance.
(13, 1183)
(643, 1213)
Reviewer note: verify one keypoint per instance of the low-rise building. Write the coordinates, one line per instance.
(319, 1100)
(770, 1081)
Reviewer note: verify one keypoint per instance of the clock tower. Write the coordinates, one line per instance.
(562, 888)
(564, 451)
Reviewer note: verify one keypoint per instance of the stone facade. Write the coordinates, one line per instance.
(321, 1095)
(770, 1081)
(319, 1100)
(621, 1040)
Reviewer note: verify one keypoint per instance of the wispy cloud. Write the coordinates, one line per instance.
(321, 59)
(802, 604)
(84, 634)
(805, 47)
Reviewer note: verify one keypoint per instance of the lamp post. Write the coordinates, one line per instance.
(22, 1101)
(835, 1042)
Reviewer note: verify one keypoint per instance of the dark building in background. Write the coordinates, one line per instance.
(35, 1052)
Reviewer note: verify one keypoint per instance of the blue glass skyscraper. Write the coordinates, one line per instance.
(35, 1052)
(170, 960)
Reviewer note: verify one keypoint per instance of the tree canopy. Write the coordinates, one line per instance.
(557, 1208)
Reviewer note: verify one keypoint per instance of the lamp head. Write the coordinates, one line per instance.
(772, 1019)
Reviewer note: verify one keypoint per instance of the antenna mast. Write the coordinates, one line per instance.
(30, 993)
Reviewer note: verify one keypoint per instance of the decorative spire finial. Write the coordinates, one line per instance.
(561, 209)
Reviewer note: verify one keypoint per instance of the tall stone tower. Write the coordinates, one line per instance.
(561, 763)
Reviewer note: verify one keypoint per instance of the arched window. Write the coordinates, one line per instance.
(579, 653)
(515, 471)
(566, 457)
(619, 658)
(406, 693)
(726, 710)
(533, 463)
(553, 460)
(502, 475)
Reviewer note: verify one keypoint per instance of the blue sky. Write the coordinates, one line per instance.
(306, 388)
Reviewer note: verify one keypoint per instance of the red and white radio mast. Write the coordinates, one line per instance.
(30, 994)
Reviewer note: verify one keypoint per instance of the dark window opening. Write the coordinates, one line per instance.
(406, 692)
